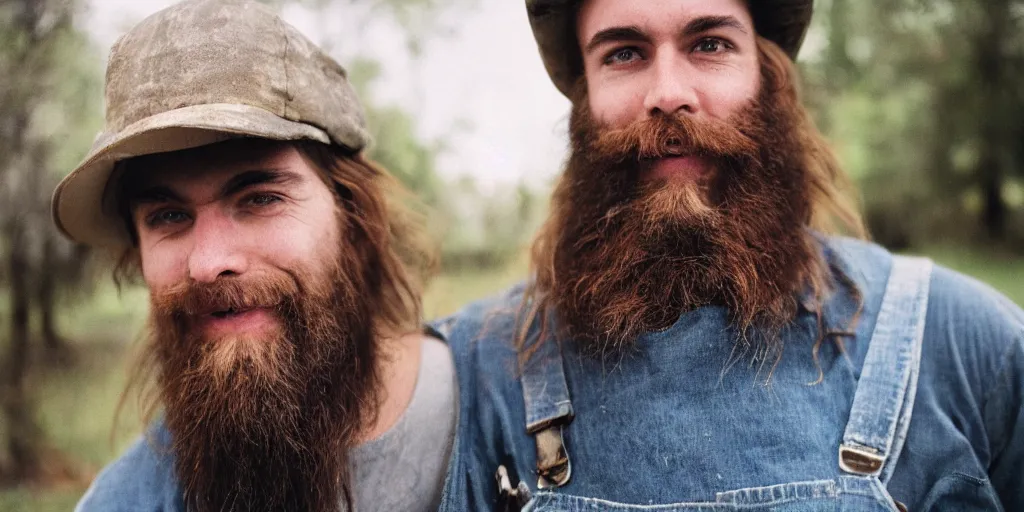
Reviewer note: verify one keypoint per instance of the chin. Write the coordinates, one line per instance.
(253, 353)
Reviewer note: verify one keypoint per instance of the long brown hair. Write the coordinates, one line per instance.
(832, 209)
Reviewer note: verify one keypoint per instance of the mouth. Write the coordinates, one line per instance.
(228, 313)
(678, 165)
(673, 148)
(227, 320)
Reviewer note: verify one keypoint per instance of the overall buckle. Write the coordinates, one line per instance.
(860, 460)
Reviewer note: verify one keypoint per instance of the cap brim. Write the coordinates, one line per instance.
(79, 207)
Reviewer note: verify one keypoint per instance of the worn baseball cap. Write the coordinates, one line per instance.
(196, 73)
(783, 22)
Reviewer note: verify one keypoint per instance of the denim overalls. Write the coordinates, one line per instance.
(687, 422)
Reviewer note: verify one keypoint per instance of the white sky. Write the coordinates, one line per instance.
(482, 86)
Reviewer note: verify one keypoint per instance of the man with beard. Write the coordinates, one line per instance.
(696, 334)
(284, 344)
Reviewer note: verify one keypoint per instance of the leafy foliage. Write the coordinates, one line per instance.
(924, 104)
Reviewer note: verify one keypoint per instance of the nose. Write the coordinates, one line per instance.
(216, 251)
(672, 90)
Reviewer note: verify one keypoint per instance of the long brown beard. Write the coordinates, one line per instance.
(266, 424)
(621, 255)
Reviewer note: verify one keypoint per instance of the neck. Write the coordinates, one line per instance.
(400, 364)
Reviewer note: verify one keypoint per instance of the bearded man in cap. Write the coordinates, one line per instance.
(696, 334)
(284, 343)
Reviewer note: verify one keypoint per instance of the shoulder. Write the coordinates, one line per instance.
(141, 479)
(990, 313)
(491, 321)
(482, 339)
(974, 337)
(866, 264)
(953, 298)
(968, 324)
(973, 346)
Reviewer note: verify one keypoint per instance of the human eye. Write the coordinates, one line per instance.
(261, 200)
(166, 217)
(712, 45)
(621, 56)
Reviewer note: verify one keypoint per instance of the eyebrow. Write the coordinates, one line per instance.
(617, 35)
(158, 194)
(634, 34)
(706, 23)
(237, 183)
(247, 179)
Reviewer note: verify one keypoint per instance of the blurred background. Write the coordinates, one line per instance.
(922, 99)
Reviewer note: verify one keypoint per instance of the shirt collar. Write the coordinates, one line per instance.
(842, 300)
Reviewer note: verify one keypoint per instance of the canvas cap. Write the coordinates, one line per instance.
(783, 22)
(197, 73)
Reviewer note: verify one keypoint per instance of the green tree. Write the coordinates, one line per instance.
(923, 102)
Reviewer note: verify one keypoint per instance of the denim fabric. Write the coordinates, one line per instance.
(141, 480)
(544, 390)
(844, 493)
(884, 401)
(686, 423)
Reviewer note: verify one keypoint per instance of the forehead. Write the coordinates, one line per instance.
(654, 15)
(213, 163)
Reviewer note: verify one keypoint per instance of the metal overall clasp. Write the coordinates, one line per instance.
(510, 499)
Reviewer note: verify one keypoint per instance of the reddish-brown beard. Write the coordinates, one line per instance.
(266, 424)
(621, 255)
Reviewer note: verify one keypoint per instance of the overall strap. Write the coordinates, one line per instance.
(888, 382)
(548, 408)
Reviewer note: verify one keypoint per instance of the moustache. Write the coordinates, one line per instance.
(664, 135)
(190, 299)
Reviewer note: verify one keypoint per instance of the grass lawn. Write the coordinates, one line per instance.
(76, 406)
(1002, 272)
(76, 410)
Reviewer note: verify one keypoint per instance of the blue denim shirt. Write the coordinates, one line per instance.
(684, 424)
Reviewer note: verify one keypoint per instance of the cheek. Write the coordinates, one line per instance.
(731, 94)
(722, 105)
(305, 244)
(162, 265)
(614, 103)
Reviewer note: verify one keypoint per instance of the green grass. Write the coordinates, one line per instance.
(76, 406)
(26, 500)
(1003, 272)
(76, 409)
(449, 292)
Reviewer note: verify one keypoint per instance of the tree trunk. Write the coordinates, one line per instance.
(55, 349)
(20, 448)
(23, 434)
(994, 208)
(994, 127)
(840, 66)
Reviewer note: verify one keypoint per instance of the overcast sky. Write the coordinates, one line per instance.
(485, 76)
